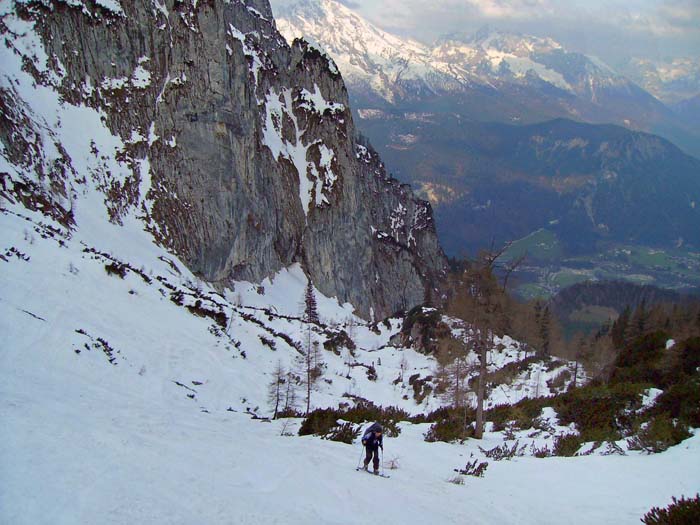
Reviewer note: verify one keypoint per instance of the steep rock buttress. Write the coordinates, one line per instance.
(240, 151)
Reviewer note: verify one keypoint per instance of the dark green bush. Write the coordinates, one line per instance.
(448, 424)
(642, 360)
(429, 325)
(448, 430)
(324, 421)
(567, 445)
(661, 433)
(388, 417)
(681, 401)
(345, 433)
(117, 269)
(690, 356)
(679, 512)
(320, 422)
(600, 412)
(522, 414)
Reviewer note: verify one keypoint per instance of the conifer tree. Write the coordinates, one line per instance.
(619, 328)
(310, 305)
(480, 301)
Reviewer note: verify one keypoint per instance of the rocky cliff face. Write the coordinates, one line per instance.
(239, 152)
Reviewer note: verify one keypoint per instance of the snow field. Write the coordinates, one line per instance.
(151, 439)
(88, 441)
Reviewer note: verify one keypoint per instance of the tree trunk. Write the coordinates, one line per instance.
(479, 430)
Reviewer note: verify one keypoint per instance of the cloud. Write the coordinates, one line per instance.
(606, 28)
(351, 4)
(496, 9)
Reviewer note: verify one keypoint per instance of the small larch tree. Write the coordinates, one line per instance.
(276, 388)
(310, 364)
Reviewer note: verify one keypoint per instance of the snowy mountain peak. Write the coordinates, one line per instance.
(340, 28)
(365, 54)
(516, 43)
(376, 62)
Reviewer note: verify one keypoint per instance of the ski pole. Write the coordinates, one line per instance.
(383, 474)
(361, 451)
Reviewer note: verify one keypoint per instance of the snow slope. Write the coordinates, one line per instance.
(162, 435)
(85, 442)
(128, 397)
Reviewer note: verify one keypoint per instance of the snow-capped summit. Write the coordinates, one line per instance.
(385, 64)
(515, 43)
(495, 57)
(528, 77)
(488, 76)
(671, 81)
(396, 68)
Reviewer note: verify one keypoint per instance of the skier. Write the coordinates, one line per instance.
(372, 440)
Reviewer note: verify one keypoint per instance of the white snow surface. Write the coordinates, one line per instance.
(315, 181)
(87, 441)
(120, 406)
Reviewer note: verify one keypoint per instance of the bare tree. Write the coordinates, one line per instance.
(403, 365)
(290, 393)
(311, 368)
(480, 301)
(482, 345)
(276, 388)
(452, 371)
(488, 258)
(510, 267)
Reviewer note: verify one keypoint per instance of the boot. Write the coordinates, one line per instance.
(376, 472)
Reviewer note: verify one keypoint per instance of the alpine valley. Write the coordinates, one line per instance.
(514, 138)
(210, 286)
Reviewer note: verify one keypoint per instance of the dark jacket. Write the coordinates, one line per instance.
(369, 438)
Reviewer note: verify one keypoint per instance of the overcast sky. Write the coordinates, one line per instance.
(610, 29)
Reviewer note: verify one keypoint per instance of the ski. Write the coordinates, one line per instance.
(360, 469)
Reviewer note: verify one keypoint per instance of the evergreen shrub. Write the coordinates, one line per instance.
(681, 401)
(567, 445)
(680, 512)
(661, 433)
(116, 269)
(324, 421)
(448, 424)
(600, 412)
(642, 360)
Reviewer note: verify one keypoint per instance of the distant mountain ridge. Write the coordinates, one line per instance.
(490, 76)
(671, 81)
(495, 182)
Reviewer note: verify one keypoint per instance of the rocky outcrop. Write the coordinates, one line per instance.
(253, 160)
